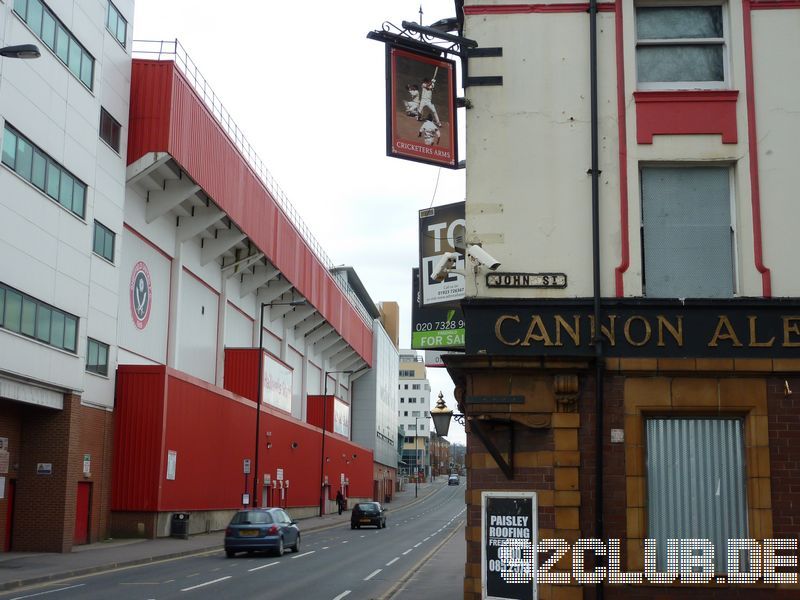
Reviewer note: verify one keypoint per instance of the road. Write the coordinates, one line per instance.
(333, 564)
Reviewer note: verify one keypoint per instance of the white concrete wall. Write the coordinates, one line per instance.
(47, 250)
(528, 149)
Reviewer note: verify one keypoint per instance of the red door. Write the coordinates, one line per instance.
(81, 535)
(9, 513)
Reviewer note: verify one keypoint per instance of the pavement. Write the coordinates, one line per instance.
(18, 569)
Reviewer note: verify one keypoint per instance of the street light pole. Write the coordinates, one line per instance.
(260, 397)
(324, 419)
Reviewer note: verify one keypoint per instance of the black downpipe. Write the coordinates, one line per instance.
(598, 341)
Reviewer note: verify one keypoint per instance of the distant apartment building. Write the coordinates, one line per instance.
(414, 414)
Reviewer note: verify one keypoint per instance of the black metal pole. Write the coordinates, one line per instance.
(416, 456)
(322, 452)
(254, 501)
(598, 338)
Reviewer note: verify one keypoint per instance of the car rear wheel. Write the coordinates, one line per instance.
(230, 553)
(279, 549)
(296, 547)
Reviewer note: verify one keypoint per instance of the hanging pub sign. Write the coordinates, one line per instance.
(421, 107)
(508, 545)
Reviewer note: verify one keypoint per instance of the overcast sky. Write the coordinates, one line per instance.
(307, 88)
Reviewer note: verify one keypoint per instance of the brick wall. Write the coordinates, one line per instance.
(11, 415)
(784, 456)
(96, 440)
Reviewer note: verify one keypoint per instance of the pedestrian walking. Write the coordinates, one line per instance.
(340, 501)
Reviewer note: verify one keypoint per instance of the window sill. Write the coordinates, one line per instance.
(39, 342)
(686, 112)
(99, 375)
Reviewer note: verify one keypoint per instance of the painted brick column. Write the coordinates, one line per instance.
(567, 497)
(44, 519)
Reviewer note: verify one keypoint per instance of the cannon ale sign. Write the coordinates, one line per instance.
(508, 545)
(656, 329)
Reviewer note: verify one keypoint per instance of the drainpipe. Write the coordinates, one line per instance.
(598, 341)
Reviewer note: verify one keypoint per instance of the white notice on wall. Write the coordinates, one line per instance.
(2, 487)
(172, 464)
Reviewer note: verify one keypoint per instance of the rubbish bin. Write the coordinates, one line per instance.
(179, 527)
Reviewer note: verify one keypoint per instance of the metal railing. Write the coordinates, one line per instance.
(172, 50)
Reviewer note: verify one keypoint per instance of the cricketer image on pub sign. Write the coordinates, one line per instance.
(420, 107)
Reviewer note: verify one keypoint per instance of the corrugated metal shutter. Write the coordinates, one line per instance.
(696, 483)
(688, 243)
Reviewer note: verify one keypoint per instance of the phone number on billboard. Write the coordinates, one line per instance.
(439, 325)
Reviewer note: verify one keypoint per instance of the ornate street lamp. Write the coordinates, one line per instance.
(441, 416)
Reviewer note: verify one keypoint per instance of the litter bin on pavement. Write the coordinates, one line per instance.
(179, 526)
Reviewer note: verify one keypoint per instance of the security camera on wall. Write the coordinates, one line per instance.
(482, 257)
(445, 265)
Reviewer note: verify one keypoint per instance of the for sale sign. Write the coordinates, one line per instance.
(508, 545)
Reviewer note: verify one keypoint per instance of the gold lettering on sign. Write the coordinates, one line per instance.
(753, 329)
(574, 332)
(542, 336)
(648, 331)
(610, 332)
(675, 332)
(791, 325)
(730, 334)
(499, 334)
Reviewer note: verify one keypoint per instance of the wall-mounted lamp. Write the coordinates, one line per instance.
(21, 51)
(294, 445)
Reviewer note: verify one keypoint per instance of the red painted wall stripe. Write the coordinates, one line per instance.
(752, 141)
(522, 9)
(622, 129)
(774, 4)
(168, 116)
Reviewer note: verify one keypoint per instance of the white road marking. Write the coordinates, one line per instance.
(72, 587)
(325, 547)
(304, 554)
(371, 575)
(194, 587)
(344, 542)
(342, 595)
(192, 575)
(426, 539)
(407, 551)
(394, 560)
(262, 566)
(417, 544)
(363, 536)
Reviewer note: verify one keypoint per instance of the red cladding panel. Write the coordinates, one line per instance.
(212, 433)
(167, 116)
(320, 407)
(685, 113)
(138, 430)
(241, 372)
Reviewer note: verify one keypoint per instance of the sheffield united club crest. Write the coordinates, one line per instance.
(141, 289)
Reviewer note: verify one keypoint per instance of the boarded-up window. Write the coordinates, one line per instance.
(695, 483)
(687, 237)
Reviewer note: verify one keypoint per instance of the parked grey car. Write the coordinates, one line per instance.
(261, 529)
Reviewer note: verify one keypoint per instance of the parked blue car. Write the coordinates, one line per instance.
(257, 529)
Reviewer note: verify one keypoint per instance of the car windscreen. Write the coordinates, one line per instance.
(251, 517)
(369, 506)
